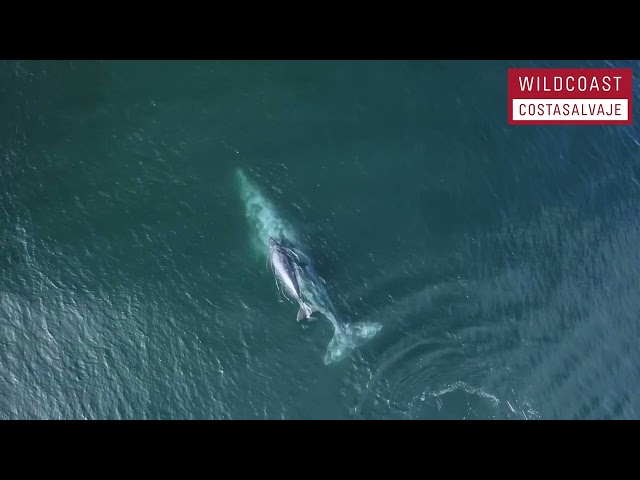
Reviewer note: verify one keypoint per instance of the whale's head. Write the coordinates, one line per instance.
(273, 246)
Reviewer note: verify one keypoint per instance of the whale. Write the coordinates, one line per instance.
(296, 274)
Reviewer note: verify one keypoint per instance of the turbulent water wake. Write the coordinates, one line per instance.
(266, 223)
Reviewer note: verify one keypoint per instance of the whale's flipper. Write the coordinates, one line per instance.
(305, 311)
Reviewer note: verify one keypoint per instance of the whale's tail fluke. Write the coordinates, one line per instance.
(347, 337)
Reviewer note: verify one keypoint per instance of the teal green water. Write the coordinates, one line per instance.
(501, 262)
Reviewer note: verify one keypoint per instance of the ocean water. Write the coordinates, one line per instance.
(500, 262)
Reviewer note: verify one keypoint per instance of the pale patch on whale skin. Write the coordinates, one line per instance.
(286, 270)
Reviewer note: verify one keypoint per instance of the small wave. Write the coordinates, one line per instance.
(460, 386)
